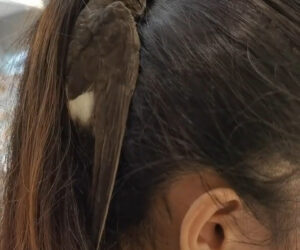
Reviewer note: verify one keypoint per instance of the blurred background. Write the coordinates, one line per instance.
(16, 16)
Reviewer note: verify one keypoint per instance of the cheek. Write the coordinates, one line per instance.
(166, 227)
(166, 236)
(251, 233)
(249, 246)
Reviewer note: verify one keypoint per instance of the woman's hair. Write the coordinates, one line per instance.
(218, 89)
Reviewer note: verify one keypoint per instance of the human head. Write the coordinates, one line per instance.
(217, 98)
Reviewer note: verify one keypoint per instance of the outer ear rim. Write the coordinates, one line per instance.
(203, 210)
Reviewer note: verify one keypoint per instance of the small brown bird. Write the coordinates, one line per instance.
(102, 71)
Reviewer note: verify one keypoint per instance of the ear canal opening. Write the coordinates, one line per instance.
(220, 236)
(219, 231)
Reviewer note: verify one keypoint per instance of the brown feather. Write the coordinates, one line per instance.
(104, 57)
(119, 71)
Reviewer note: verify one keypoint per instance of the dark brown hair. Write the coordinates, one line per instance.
(218, 87)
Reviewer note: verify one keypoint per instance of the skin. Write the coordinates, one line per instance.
(187, 217)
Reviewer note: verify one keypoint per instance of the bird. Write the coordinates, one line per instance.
(104, 36)
(101, 75)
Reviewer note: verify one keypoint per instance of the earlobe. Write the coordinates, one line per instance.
(203, 226)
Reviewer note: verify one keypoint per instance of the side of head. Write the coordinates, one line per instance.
(211, 157)
(218, 92)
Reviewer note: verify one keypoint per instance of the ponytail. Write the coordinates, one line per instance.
(62, 174)
(43, 208)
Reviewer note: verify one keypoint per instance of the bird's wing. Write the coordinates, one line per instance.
(113, 92)
(102, 70)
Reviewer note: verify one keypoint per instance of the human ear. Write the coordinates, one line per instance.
(208, 222)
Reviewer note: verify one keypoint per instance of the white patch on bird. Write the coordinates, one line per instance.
(81, 108)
